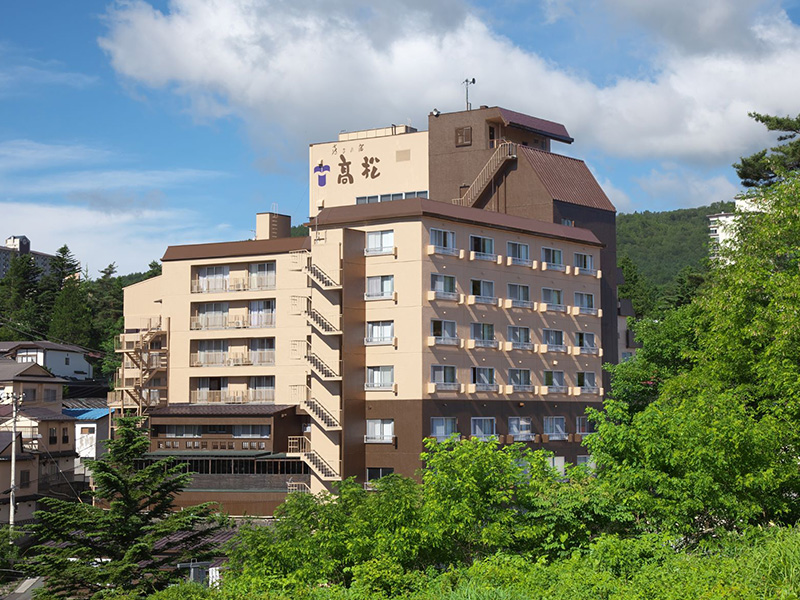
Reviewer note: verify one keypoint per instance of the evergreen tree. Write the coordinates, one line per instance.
(71, 321)
(637, 289)
(20, 310)
(85, 549)
(62, 267)
(762, 168)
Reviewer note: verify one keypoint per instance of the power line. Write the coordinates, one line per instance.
(44, 337)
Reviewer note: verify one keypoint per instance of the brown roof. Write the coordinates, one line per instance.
(550, 129)
(6, 347)
(567, 179)
(11, 370)
(421, 207)
(231, 249)
(36, 413)
(219, 410)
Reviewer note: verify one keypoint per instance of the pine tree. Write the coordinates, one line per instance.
(71, 321)
(20, 310)
(85, 549)
(762, 168)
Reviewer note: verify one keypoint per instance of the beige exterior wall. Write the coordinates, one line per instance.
(395, 164)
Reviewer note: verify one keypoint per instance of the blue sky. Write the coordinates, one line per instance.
(129, 126)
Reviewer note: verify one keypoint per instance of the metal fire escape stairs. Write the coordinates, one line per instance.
(505, 152)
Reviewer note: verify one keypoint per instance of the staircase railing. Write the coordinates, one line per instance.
(505, 151)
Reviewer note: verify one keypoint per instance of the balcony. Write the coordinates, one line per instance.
(585, 271)
(446, 386)
(483, 256)
(379, 386)
(522, 346)
(232, 359)
(522, 387)
(486, 387)
(589, 350)
(379, 439)
(442, 295)
(553, 348)
(265, 281)
(368, 296)
(380, 341)
(483, 299)
(586, 310)
(444, 340)
(520, 262)
(478, 343)
(380, 251)
(555, 389)
(589, 389)
(522, 304)
(522, 437)
(444, 250)
(225, 321)
(553, 267)
(547, 306)
(265, 395)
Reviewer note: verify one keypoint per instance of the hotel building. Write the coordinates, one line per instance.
(459, 280)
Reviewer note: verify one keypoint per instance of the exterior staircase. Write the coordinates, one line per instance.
(506, 151)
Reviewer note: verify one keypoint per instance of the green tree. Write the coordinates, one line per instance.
(636, 288)
(763, 167)
(86, 550)
(21, 317)
(71, 321)
(63, 266)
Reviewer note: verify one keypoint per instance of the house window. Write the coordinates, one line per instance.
(380, 378)
(583, 425)
(483, 379)
(520, 295)
(520, 254)
(444, 286)
(87, 430)
(211, 315)
(553, 299)
(553, 258)
(181, 431)
(584, 340)
(210, 352)
(66, 360)
(463, 136)
(555, 427)
(52, 437)
(262, 276)
(586, 381)
(585, 302)
(379, 242)
(65, 435)
(252, 431)
(262, 313)
(443, 427)
(554, 380)
(26, 355)
(520, 337)
(482, 427)
(585, 262)
(483, 247)
(483, 335)
(520, 379)
(444, 332)
(379, 431)
(521, 428)
(217, 429)
(584, 459)
(483, 290)
(443, 241)
(379, 287)
(374, 473)
(50, 395)
(554, 340)
(211, 279)
(25, 479)
(29, 394)
(444, 376)
(379, 333)
(262, 388)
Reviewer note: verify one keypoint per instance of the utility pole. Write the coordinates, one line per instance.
(467, 82)
(16, 399)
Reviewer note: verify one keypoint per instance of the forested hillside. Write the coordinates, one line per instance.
(661, 244)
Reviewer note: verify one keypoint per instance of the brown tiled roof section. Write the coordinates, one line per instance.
(219, 410)
(420, 207)
(231, 249)
(548, 128)
(567, 179)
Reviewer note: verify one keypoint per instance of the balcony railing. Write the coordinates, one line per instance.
(442, 295)
(485, 299)
(522, 346)
(232, 397)
(378, 385)
(589, 389)
(488, 256)
(232, 359)
(379, 251)
(485, 387)
(298, 445)
(485, 343)
(556, 436)
(447, 250)
(378, 341)
(554, 267)
(522, 387)
(521, 303)
(379, 295)
(522, 262)
(556, 348)
(378, 439)
(523, 437)
(445, 340)
(225, 321)
(585, 271)
(556, 389)
(261, 281)
(587, 310)
(555, 307)
(589, 350)
(447, 386)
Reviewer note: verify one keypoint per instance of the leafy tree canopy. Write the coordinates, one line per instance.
(763, 167)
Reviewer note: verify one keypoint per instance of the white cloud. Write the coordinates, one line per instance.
(17, 155)
(298, 73)
(130, 238)
(676, 187)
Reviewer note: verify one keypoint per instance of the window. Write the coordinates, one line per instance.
(520, 337)
(262, 313)
(380, 287)
(463, 136)
(553, 258)
(379, 378)
(520, 254)
(444, 332)
(585, 262)
(444, 376)
(585, 303)
(262, 351)
(52, 436)
(25, 479)
(443, 427)
(586, 381)
(583, 425)
(26, 355)
(483, 379)
(49, 395)
(555, 427)
(483, 335)
(252, 431)
(262, 388)
(66, 360)
(520, 379)
(182, 431)
(521, 428)
(482, 427)
(553, 299)
(554, 340)
(29, 394)
(584, 459)
(262, 276)
(568, 222)
(379, 431)
(211, 315)
(87, 430)
(211, 279)
(210, 352)
(379, 333)
(65, 435)
(520, 295)
(483, 291)
(379, 242)
(374, 473)
(443, 241)
(211, 389)
(585, 341)
(554, 380)
(444, 286)
(483, 247)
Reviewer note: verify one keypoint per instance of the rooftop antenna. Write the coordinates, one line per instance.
(467, 82)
